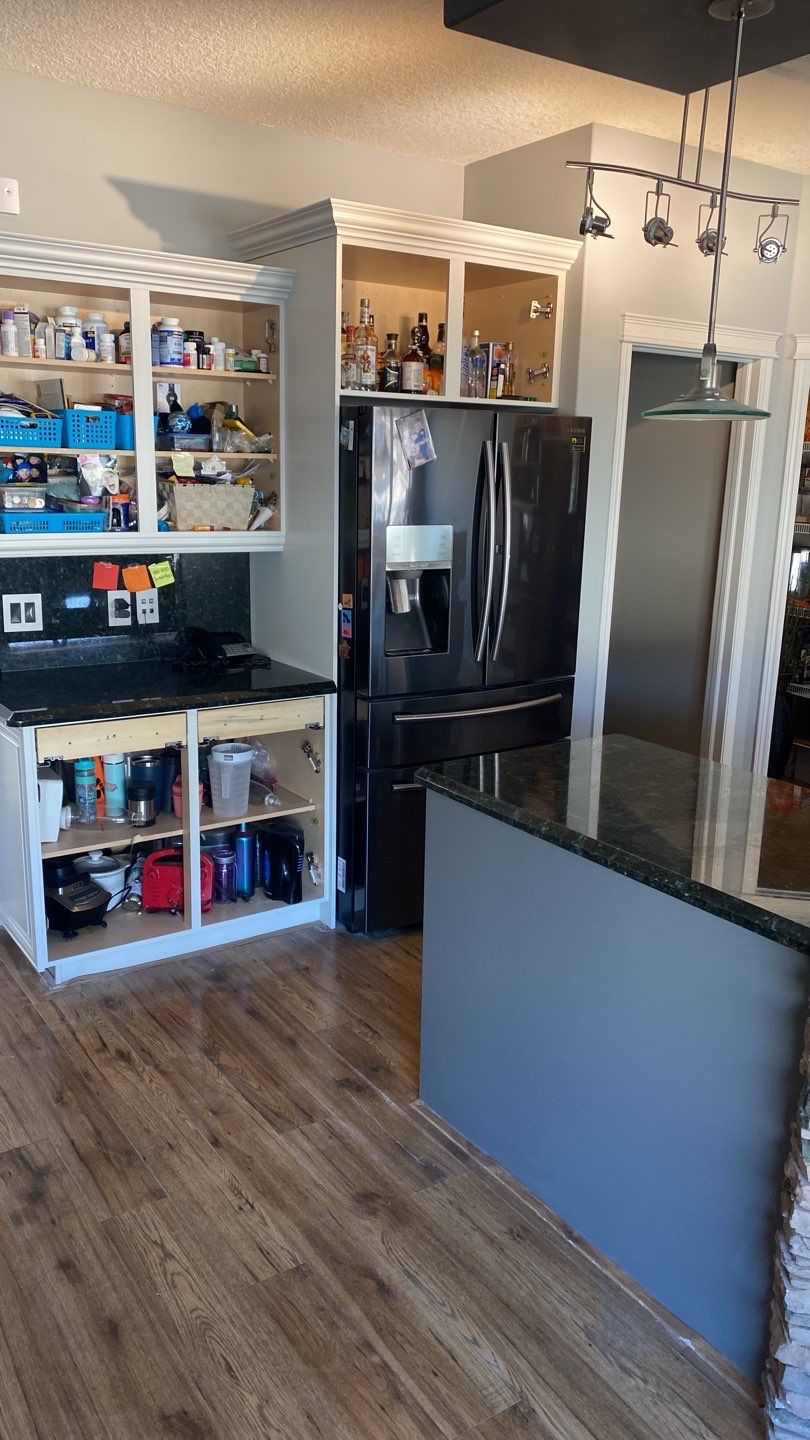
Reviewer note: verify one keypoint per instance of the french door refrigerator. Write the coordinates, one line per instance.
(457, 620)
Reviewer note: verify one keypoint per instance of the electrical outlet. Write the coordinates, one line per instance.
(147, 607)
(9, 196)
(119, 607)
(22, 613)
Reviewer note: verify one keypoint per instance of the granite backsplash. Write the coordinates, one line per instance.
(212, 591)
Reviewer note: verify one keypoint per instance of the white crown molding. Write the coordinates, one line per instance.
(800, 347)
(659, 333)
(387, 229)
(74, 261)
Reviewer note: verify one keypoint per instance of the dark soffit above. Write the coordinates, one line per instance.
(671, 44)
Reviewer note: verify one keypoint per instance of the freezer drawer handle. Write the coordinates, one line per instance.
(398, 786)
(485, 710)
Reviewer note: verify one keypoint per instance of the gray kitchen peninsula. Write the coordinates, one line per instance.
(615, 990)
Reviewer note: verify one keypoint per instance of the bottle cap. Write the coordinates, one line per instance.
(113, 759)
(392, 335)
(8, 315)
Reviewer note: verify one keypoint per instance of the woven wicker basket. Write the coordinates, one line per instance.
(226, 507)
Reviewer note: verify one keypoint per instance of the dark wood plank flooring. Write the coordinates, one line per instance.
(222, 1214)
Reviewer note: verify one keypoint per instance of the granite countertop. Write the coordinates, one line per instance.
(96, 692)
(729, 842)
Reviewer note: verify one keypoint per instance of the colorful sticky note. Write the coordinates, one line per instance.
(162, 574)
(183, 464)
(136, 577)
(105, 575)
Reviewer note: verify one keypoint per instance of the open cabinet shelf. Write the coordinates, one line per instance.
(242, 305)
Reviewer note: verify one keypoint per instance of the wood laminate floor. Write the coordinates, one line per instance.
(223, 1215)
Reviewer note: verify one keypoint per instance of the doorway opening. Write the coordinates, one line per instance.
(673, 492)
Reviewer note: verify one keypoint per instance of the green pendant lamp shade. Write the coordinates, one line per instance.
(705, 401)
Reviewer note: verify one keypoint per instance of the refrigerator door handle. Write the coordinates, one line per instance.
(506, 471)
(489, 462)
(397, 786)
(483, 710)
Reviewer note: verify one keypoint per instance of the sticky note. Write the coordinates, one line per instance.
(183, 464)
(136, 577)
(162, 574)
(105, 576)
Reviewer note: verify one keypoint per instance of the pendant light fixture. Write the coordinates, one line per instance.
(706, 401)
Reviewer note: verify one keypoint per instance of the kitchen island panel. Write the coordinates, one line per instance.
(631, 1058)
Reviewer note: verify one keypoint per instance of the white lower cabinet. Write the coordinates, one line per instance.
(295, 734)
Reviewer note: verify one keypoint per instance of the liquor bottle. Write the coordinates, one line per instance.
(436, 364)
(464, 383)
(390, 377)
(365, 352)
(348, 371)
(424, 337)
(477, 371)
(413, 366)
(509, 370)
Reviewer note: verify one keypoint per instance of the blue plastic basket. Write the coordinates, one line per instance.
(43, 524)
(34, 432)
(124, 431)
(89, 429)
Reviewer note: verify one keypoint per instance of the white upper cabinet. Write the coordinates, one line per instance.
(243, 305)
(507, 284)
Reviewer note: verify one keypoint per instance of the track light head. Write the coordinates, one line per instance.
(595, 219)
(771, 241)
(656, 229)
(707, 236)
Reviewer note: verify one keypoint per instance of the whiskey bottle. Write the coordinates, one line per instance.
(436, 363)
(477, 378)
(365, 351)
(424, 337)
(413, 366)
(348, 370)
(390, 364)
(509, 370)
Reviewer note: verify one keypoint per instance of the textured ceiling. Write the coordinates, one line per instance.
(380, 72)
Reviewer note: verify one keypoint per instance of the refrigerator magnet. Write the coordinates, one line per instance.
(415, 438)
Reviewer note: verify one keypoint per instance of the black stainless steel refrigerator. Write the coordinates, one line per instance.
(457, 620)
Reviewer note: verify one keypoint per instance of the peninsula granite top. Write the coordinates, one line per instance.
(729, 842)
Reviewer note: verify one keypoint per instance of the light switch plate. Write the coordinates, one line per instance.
(119, 607)
(9, 196)
(147, 607)
(22, 613)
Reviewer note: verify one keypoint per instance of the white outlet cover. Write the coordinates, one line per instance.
(9, 196)
(22, 613)
(119, 607)
(147, 607)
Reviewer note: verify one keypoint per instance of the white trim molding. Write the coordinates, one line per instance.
(689, 336)
(780, 570)
(756, 350)
(74, 261)
(385, 229)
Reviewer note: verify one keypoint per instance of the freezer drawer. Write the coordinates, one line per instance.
(418, 729)
(395, 861)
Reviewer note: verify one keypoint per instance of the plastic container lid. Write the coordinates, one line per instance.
(113, 759)
(67, 310)
(8, 315)
(88, 764)
(95, 315)
(170, 322)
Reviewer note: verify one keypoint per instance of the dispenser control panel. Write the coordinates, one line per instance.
(418, 547)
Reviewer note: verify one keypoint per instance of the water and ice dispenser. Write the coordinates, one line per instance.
(418, 571)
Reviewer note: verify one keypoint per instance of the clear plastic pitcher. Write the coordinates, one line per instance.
(229, 776)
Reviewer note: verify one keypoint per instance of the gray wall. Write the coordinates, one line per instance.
(669, 532)
(123, 171)
(631, 1059)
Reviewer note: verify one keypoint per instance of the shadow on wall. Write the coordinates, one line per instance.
(191, 222)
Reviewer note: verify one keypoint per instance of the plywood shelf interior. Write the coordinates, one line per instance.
(106, 835)
(64, 367)
(257, 811)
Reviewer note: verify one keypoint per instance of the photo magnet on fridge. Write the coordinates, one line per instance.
(416, 439)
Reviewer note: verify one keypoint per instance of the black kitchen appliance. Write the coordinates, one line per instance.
(457, 626)
(219, 650)
(281, 860)
(72, 899)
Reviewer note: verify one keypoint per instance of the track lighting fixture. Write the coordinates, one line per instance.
(595, 219)
(656, 228)
(706, 239)
(771, 241)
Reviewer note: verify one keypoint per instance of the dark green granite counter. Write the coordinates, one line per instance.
(96, 692)
(728, 842)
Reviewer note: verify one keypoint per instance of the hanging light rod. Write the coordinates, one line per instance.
(597, 165)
